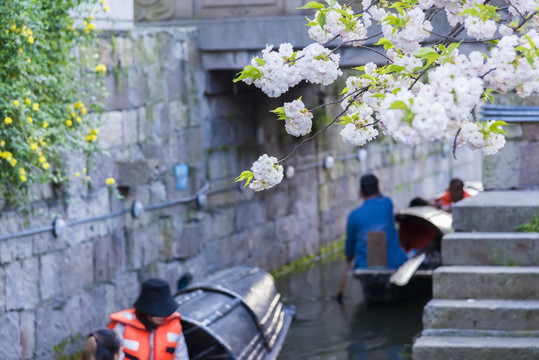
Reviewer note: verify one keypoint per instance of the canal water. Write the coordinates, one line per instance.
(326, 330)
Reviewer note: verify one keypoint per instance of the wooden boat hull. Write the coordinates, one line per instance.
(234, 314)
(378, 289)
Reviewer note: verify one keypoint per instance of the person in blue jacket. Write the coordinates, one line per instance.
(375, 214)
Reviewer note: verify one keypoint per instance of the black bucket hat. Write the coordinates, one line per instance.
(155, 299)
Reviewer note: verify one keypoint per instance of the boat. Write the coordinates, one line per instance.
(420, 228)
(235, 313)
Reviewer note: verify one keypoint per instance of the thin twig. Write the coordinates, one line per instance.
(455, 144)
(319, 132)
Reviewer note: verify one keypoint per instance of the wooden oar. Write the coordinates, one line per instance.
(405, 272)
(342, 284)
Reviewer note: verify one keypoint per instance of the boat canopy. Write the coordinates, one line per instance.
(420, 226)
(236, 313)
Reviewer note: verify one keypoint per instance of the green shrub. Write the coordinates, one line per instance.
(50, 79)
(531, 227)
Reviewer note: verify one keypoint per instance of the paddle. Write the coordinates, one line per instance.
(342, 284)
(405, 272)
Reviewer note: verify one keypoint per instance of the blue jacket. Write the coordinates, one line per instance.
(375, 214)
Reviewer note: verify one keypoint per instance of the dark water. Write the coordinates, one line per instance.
(324, 329)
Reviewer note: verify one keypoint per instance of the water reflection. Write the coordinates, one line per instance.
(356, 330)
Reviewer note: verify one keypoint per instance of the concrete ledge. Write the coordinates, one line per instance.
(499, 315)
(501, 249)
(475, 348)
(495, 211)
(486, 282)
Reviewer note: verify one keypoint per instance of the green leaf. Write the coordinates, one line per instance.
(493, 128)
(344, 91)
(260, 61)
(398, 105)
(280, 112)
(321, 19)
(245, 175)
(395, 68)
(249, 72)
(312, 5)
(331, 3)
(386, 43)
(425, 52)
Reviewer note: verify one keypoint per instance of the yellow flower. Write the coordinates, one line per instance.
(13, 162)
(16, 103)
(69, 123)
(35, 106)
(45, 124)
(101, 68)
(70, 28)
(13, 27)
(31, 39)
(46, 166)
(110, 181)
(28, 101)
(23, 178)
(84, 170)
(7, 31)
(103, 2)
(78, 119)
(73, 114)
(28, 60)
(29, 119)
(94, 131)
(42, 159)
(20, 50)
(22, 171)
(29, 31)
(8, 120)
(79, 104)
(77, 174)
(83, 111)
(91, 17)
(2, 143)
(33, 146)
(106, 8)
(41, 141)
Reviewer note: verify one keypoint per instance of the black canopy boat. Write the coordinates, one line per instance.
(420, 228)
(235, 313)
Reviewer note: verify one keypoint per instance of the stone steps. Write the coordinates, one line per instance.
(484, 248)
(486, 282)
(475, 348)
(483, 314)
(495, 211)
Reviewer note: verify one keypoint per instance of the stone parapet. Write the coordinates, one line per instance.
(495, 211)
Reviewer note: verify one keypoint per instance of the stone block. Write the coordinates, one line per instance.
(221, 164)
(500, 249)
(178, 115)
(117, 87)
(486, 282)
(138, 172)
(530, 131)
(156, 83)
(129, 127)
(529, 172)
(108, 256)
(194, 142)
(28, 333)
(110, 131)
(502, 170)
(476, 348)
(224, 222)
(162, 120)
(10, 333)
(22, 287)
(127, 289)
(174, 80)
(51, 284)
(146, 50)
(125, 51)
(485, 211)
(2, 290)
(15, 249)
(138, 87)
(52, 317)
(482, 314)
(188, 243)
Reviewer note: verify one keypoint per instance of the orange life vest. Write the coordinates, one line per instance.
(136, 340)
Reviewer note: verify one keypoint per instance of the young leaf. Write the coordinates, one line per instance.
(245, 175)
(312, 5)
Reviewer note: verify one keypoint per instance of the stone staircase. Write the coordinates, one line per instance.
(486, 295)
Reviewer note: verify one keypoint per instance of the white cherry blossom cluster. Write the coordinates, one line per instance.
(408, 37)
(283, 69)
(298, 120)
(476, 136)
(266, 173)
(335, 27)
(361, 128)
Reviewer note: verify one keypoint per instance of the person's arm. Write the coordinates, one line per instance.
(181, 352)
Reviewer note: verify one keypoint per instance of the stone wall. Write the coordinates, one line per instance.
(164, 110)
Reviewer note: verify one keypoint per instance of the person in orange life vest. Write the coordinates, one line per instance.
(102, 344)
(453, 194)
(152, 330)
